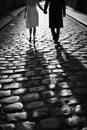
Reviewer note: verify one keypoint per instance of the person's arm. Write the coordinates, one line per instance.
(46, 6)
(40, 6)
(64, 7)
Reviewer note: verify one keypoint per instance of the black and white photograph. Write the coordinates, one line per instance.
(43, 64)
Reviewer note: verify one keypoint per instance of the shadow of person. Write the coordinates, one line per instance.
(73, 90)
(36, 85)
(53, 89)
(32, 43)
(74, 67)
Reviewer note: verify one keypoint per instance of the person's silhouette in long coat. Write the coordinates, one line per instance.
(57, 9)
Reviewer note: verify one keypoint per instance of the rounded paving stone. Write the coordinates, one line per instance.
(30, 97)
(7, 126)
(12, 99)
(12, 86)
(17, 116)
(72, 101)
(21, 79)
(3, 81)
(74, 120)
(14, 107)
(78, 110)
(5, 93)
(66, 110)
(34, 105)
(42, 112)
(37, 89)
(49, 124)
(52, 86)
(19, 91)
(85, 128)
(65, 85)
(65, 93)
(25, 125)
(53, 100)
(48, 94)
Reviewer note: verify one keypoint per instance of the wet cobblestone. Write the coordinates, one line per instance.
(43, 87)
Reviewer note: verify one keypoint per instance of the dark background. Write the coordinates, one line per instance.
(7, 5)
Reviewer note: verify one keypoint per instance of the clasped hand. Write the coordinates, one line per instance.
(45, 12)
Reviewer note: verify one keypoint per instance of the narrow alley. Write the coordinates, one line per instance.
(43, 87)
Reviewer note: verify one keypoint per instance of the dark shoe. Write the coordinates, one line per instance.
(56, 42)
(57, 45)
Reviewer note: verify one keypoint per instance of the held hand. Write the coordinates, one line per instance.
(45, 12)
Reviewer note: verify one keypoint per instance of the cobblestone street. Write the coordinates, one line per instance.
(43, 87)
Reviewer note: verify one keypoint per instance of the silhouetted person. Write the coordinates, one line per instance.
(31, 15)
(57, 9)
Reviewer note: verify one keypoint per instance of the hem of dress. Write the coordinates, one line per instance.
(32, 26)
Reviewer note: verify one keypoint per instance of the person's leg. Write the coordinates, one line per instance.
(53, 33)
(34, 33)
(30, 33)
(57, 34)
